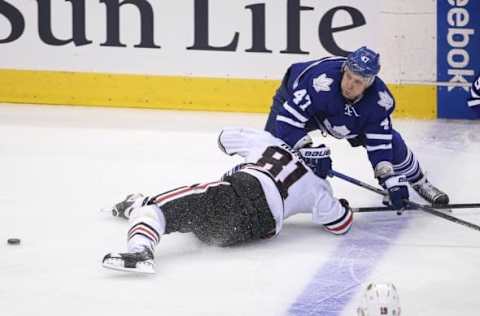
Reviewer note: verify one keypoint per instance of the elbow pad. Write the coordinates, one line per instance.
(384, 170)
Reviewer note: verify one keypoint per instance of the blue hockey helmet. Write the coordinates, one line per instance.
(364, 62)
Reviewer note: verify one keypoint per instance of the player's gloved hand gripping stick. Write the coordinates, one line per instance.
(409, 203)
(318, 159)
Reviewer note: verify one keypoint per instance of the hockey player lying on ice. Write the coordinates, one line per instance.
(249, 203)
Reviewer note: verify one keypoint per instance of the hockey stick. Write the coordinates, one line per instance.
(451, 218)
(411, 204)
(372, 188)
(389, 208)
(447, 207)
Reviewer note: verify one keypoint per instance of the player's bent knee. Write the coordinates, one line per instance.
(150, 215)
(148, 211)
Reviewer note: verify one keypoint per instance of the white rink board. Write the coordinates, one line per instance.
(404, 34)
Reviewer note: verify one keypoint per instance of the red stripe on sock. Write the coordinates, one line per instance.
(343, 226)
(146, 231)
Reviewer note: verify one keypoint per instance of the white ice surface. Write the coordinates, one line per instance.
(60, 165)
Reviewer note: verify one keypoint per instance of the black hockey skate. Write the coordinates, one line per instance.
(123, 208)
(140, 262)
(430, 193)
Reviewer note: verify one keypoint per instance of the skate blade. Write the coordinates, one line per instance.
(107, 210)
(117, 265)
(111, 211)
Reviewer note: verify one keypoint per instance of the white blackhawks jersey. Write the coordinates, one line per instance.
(290, 186)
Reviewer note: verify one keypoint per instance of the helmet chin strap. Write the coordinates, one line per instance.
(370, 80)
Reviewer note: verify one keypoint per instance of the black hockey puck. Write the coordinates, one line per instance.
(13, 241)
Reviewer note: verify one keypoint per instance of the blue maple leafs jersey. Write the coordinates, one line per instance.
(313, 98)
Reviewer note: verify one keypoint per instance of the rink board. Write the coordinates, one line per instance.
(174, 92)
(205, 54)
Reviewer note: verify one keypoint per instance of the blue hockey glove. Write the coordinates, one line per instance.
(397, 191)
(318, 159)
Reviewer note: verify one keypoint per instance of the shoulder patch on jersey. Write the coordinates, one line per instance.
(322, 83)
(386, 101)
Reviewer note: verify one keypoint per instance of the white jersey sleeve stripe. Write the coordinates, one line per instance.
(295, 113)
(473, 102)
(474, 95)
(379, 147)
(289, 121)
(406, 162)
(379, 136)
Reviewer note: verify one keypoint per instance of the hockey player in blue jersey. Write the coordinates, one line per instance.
(474, 100)
(346, 99)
